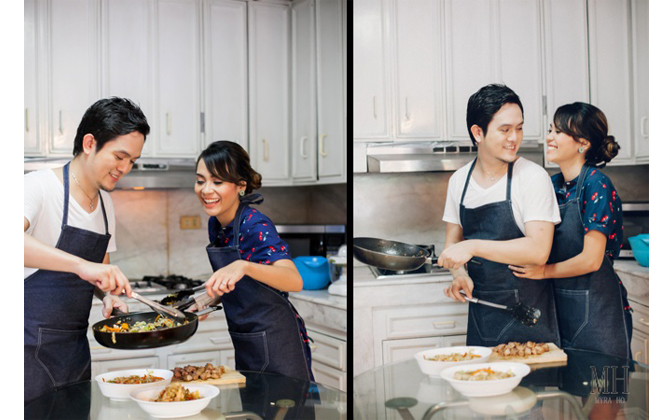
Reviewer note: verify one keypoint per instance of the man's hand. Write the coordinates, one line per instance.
(533, 272)
(110, 302)
(107, 277)
(455, 256)
(224, 279)
(462, 282)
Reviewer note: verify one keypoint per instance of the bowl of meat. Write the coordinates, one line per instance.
(485, 379)
(433, 361)
(175, 400)
(117, 385)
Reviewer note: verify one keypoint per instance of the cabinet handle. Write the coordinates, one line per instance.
(374, 106)
(60, 122)
(644, 322)
(313, 347)
(444, 324)
(27, 123)
(644, 122)
(637, 356)
(406, 107)
(303, 154)
(220, 340)
(168, 124)
(100, 350)
(322, 150)
(266, 151)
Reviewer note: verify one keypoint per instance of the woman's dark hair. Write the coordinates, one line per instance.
(108, 119)
(484, 103)
(229, 162)
(580, 120)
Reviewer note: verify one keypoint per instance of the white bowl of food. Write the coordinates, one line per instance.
(117, 385)
(434, 361)
(485, 379)
(175, 400)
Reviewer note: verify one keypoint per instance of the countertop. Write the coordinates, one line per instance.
(321, 297)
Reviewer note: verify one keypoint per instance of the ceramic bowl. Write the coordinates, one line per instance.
(167, 410)
(487, 388)
(433, 368)
(121, 392)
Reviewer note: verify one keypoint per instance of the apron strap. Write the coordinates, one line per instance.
(580, 184)
(467, 180)
(66, 198)
(244, 202)
(510, 168)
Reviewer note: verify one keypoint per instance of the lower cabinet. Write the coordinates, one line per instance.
(329, 357)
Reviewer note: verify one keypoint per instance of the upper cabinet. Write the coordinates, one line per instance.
(31, 139)
(640, 60)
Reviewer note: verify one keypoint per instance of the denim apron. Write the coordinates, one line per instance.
(495, 282)
(266, 330)
(56, 307)
(589, 307)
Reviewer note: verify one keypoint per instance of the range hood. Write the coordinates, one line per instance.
(147, 173)
(437, 156)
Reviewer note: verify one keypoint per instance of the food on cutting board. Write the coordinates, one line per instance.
(158, 324)
(194, 373)
(176, 392)
(485, 374)
(453, 357)
(517, 349)
(134, 379)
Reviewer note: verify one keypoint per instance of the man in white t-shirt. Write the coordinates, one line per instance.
(500, 210)
(69, 232)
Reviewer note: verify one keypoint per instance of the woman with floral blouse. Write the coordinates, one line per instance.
(591, 303)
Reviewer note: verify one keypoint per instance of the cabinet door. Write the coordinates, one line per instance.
(396, 350)
(32, 145)
(640, 32)
(72, 65)
(127, 62)
(303, 142)
(416, 28)
(639, 346)
(609, 46)
(225, 72)
(329, 376)
(329, 350)
(196, 359)
(370, 66)
(269, 90)
(178, 78)
(331, 82)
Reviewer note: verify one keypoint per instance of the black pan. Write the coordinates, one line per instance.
(147, 339)
(392, 255)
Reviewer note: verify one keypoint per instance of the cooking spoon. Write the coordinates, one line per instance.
(527, 315)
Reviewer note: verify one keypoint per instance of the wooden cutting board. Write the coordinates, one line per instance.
(230, 377)
(554, 356)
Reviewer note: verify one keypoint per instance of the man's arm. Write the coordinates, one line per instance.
(461, 279)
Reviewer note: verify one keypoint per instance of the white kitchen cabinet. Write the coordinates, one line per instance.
(195, 359)
(269, 94)
(225, 71)
(397, 350)
(324, 374)
(329, 356)
(640, 346)
(415, 28)
(178, 81)
(370, 71)
(111, 365)
(72, 63)
(32, 144)
(640, 31)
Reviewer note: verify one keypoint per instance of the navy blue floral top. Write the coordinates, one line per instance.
(601, 206)
(259, 240)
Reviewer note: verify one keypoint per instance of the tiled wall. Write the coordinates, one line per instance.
(150, 242)
(408, 207)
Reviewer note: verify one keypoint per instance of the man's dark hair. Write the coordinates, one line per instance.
(484, 103)
(110, 118)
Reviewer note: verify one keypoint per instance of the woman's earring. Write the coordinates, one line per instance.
(581, 149)
(242, 193)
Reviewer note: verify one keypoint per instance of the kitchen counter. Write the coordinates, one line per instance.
(636, 280)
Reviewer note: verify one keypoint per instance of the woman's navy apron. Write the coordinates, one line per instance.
(56, 307)
(495, 282)
(589, 307)
(266, 330)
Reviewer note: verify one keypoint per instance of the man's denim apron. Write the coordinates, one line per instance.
(56, 310)
(495, 282)
(263, 324)
(589, 307)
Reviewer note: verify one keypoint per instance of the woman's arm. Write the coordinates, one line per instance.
(461, 279)
(587, 261)
(281, 275)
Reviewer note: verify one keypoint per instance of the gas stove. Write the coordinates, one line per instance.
(426, 270)
(150, 284)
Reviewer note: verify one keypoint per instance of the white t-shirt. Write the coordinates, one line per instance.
(533, 197)
(43, 207)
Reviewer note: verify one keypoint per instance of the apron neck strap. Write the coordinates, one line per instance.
(66, 198)
(510, 168)
(244, 203)
(467, 180)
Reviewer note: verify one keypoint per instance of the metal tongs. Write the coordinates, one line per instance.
(181, 299)
(524, 313)
(166, 311)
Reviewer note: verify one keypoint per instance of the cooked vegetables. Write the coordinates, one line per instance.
(158, 324)
(516, 349)
(193, 373)
(135, 379)
(176, 392)
(485, 374)
(453, 357)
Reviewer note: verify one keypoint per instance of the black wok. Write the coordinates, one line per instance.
(392, 255)
(146, 339)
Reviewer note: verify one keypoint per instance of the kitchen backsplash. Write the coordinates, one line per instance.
(150, 242)
(408, 207)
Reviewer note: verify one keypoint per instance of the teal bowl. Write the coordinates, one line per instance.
(640, 246)
(315, 272)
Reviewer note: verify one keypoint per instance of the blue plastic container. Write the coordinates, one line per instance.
(315, 272)
(640, 246)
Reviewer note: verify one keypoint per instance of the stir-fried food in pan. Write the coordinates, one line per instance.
(453, 357)
(516, 349)
(485, 374)
(134, 379)
(176, 392)
(193, 373)
(159, 323)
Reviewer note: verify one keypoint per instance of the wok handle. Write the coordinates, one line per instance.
(433, 261)
(101, 295)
